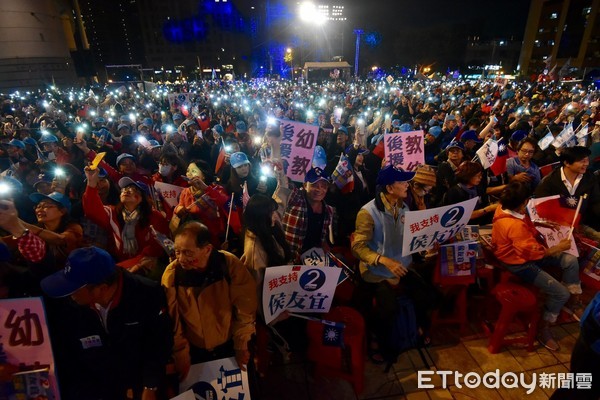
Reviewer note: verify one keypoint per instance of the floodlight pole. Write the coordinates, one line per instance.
(357, 32)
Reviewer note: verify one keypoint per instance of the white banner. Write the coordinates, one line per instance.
(298, 289)
(169, 192)
(422, 229)
(219, 379)
(298, 142)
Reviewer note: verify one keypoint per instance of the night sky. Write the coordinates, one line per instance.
(432, 31)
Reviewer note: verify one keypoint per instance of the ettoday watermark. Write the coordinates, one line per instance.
(509, 380)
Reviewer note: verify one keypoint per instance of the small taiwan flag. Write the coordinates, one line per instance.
(499, 165)
(333, 333)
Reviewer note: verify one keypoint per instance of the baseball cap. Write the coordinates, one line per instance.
(455, 144)
(17, 143)
(218, 129)
(154, 144)
(240, 127)
(519, 135)
(48, 139)
(124, 156)
(85, 266)
(390, 174)
(122, 126)
(30, 141)
(470, 135)
(316, 174)
(343, 129)
(238, 159)
(56, 197)
(126, 181)
(41, 179)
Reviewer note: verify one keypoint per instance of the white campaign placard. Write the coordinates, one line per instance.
(189, 395)
(219, 379)
(169, 192)
(422, 229)
(298, 289)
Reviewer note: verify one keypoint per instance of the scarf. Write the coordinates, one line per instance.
(130, 246)
(471, 191)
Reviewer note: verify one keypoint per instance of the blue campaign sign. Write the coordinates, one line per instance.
(452, 216)
(312, 280)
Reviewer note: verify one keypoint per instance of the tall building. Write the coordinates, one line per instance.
(565, 30)
(114, 32)
(34, 51)
(197, 35)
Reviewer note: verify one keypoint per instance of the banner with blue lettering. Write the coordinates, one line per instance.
(298, 289)
(422, 229)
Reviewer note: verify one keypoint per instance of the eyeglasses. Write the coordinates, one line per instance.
(130, 189)
(527, 151)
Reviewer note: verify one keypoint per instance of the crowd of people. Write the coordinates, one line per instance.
(85, 225)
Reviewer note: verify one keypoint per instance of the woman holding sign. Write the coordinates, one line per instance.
(516, 245)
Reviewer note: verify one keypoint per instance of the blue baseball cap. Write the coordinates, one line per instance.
(343, 129)
(405, 127)
(48, 139)
(517, 136)
(124, 156)
(178, 116)
(470, 135)
(17, 143)
(455, 144)
(154, 144)
(316, 174)
(41, 179)
(85, 266)
(240, 127)
(390, 174)
(218, 129)
(30, 141)
(435, 131)
(238, 159)
(126, 181)
(55, 197)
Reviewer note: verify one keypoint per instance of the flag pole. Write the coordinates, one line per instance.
(229, 217)
(581, 198)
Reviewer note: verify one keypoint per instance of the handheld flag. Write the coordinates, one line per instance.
(487, 153)
(343, 176)
(546, 141)
(166, 243)
(499, 165)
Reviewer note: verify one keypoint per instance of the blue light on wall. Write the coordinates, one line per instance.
(186, 30)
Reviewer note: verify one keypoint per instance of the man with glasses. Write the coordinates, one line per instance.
(212, 300)
(521, 168)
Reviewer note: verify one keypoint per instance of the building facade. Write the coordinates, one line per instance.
(566, 31)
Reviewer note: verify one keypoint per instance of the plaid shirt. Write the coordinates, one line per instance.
(32, 247)
(295, 221)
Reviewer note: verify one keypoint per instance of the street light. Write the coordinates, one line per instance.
(289, 58)
(309, 12)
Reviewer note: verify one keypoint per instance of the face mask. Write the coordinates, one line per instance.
(165, 170)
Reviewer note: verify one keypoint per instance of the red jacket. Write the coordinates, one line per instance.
(106, 218)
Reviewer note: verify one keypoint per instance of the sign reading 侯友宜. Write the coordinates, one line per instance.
(298, 289)
(422, 229)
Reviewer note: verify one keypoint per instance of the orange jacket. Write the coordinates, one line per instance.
(515, 241)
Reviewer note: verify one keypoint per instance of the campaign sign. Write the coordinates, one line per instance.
(298, 289)
(404, 149)
(422, 229)
(298, 142)
(169, 192)
(25, 342)
(219, 379)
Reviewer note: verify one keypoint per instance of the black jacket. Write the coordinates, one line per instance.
(97, 363)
